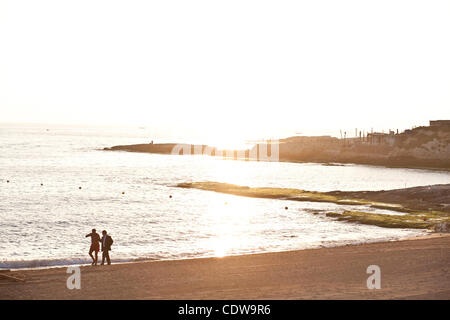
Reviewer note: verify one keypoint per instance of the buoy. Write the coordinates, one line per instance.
(7, 181)
(285, 208)
(170, 196)
(79, 188)
(123, 192)
(42, 184)
(424, 219)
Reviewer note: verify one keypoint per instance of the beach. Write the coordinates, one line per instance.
(223, 151)
(410, 269)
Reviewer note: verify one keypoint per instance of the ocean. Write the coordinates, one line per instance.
(45, 215)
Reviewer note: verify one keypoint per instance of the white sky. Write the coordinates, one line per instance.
(240, 68)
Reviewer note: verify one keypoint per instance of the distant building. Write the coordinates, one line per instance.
(439, 123)
(381, 137)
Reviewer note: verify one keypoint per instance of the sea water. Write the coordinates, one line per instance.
(62, 184)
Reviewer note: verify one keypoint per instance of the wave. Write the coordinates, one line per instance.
(45, 263)
(51, 263)
(65, 262)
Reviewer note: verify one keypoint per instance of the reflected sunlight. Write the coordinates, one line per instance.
(231, 217)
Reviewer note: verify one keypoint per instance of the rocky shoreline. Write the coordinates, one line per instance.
(426, 147)
(285, 154)
(425, 207)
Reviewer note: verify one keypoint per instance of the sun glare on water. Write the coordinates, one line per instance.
(230, 218)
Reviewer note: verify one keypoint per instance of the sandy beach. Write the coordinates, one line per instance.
(233, 150)
(410, 269)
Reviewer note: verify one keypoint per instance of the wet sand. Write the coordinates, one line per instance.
(410, 269)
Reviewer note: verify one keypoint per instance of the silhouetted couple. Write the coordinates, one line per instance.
(106, 242)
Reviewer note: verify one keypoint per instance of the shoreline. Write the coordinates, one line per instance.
(411, 268)
(428, 235)
(363, 159)
(424, 207)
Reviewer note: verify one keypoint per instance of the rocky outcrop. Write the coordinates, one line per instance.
(423, 147)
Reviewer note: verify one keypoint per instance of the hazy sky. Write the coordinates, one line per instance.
(265, 67)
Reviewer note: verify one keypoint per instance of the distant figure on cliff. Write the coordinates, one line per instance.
(95, 245)
(106, 242)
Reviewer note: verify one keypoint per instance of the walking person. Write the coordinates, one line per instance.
(106, 242)
(95, 245)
